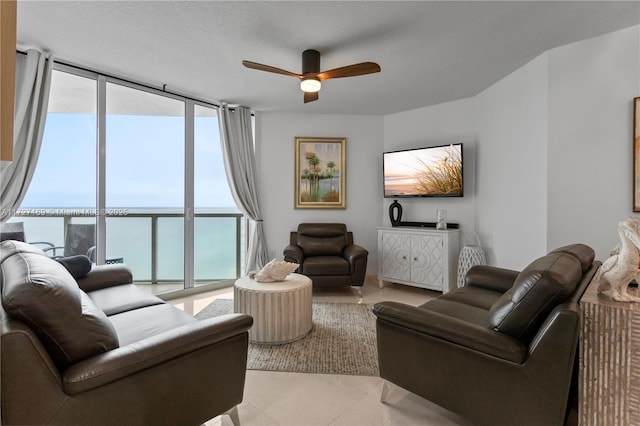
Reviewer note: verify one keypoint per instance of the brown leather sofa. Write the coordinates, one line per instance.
(499, 351)
(100, 351)
(326, 254)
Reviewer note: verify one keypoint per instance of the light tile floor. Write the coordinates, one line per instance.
(277, 398)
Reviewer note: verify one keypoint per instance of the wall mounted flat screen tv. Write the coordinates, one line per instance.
(434, 171)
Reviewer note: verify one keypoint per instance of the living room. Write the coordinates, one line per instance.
(541, 140)
(549, 126)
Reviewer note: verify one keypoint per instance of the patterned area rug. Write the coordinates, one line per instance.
(342, 341)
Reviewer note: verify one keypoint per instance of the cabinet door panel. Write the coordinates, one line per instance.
(426, 260)
(396, 255)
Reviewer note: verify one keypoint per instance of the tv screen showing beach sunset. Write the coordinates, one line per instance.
(425, 172)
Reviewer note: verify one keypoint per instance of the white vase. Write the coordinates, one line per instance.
(441, 222)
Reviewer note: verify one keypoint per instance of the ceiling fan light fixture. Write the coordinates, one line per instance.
(311, 78)
(310, 85)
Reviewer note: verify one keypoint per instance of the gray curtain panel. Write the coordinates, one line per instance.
(240, 165)
(33, 81)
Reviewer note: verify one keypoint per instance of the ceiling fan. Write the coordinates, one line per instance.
(311, 77)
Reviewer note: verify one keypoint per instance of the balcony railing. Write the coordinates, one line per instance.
(151, 241)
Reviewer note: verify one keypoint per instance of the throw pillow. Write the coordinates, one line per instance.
(78, 266)
(40, 292)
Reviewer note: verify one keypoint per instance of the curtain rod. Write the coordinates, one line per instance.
(163, 89)
(146, 86)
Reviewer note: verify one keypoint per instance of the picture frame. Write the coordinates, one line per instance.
(320, 173)
(636, 154)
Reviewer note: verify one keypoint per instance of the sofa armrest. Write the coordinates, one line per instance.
(357, 258)
(153, 351)
(353, 252)
(491, 278)
(452, 330)
(103, 276)
(293, 253)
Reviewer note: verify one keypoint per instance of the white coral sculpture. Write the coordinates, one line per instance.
(618, 270)
(274, 271)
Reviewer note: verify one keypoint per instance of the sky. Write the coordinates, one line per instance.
(145, 150)
(144, 171)
(401, 164)
(144, 163)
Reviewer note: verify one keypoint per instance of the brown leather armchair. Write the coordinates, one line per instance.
(499, 351)
(326, 254)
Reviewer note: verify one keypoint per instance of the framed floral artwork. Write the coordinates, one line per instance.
(320, 173)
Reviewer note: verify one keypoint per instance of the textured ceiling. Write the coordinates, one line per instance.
(430, 52)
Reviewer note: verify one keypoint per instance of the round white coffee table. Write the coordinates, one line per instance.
(281, 310)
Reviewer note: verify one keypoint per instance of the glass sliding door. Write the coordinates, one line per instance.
(144, 196)
(145, 170)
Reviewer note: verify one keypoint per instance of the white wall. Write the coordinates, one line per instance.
(504, 133)
(592, 84)
(511, 125)
(553, 150)
(442, 124)
(275, 135)
(547, 150)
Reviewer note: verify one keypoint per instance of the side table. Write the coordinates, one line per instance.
(609, 360)
(281, 311)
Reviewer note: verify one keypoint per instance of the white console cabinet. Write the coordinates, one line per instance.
(421, 257)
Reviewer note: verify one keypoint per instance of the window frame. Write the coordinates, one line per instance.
(189, 167)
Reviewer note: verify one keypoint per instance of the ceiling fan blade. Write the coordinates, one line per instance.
(269, 68)
(350, 71)
(310, 96)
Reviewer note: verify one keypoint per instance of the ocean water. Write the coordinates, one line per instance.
(216, 251)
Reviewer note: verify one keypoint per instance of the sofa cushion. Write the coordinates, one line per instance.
(325, 265)
(137, 324)
(78, 266)
(322, 239)
(474, 296)
(40, 292)
(122, 298)
(10, 247)
(457, 310)
(540, 287)
(582, 252)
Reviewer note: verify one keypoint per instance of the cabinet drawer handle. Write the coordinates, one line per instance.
(415, 258)
(404, 257)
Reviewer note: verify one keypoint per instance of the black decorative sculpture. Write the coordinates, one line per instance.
(395, 213)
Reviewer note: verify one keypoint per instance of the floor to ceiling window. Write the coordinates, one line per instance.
(145, 145)
(146, 170)
(62, 192)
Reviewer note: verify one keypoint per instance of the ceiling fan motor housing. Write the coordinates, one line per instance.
(310, 62)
